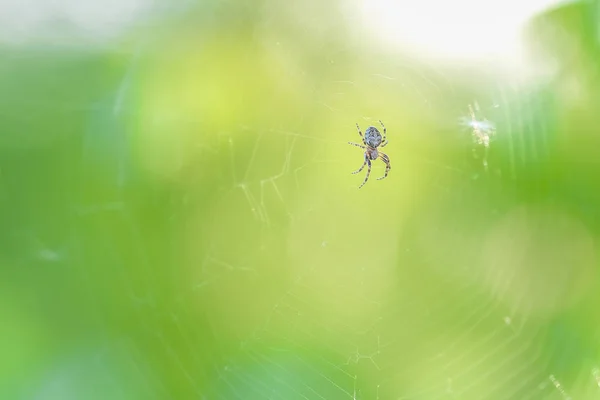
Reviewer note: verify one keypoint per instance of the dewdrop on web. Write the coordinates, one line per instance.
(483, 130)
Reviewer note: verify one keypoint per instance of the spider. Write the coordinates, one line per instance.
(372, 140)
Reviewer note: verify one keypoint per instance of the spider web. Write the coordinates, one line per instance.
(244, 263)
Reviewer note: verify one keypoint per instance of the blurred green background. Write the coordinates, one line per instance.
(180, 221)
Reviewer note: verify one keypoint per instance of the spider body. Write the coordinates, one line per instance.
(371, 141)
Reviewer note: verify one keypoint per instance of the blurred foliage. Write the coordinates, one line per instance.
(180, 221)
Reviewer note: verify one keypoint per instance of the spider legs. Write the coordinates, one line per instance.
(359, 132)
(357, 145)
(386, 160)
(361, 167)
(368, 172)
(367, 162)
(384, 142)
(384, 130)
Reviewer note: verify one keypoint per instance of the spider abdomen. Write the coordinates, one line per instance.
(372, 137)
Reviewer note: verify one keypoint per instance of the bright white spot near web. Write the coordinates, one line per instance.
(452, 29)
